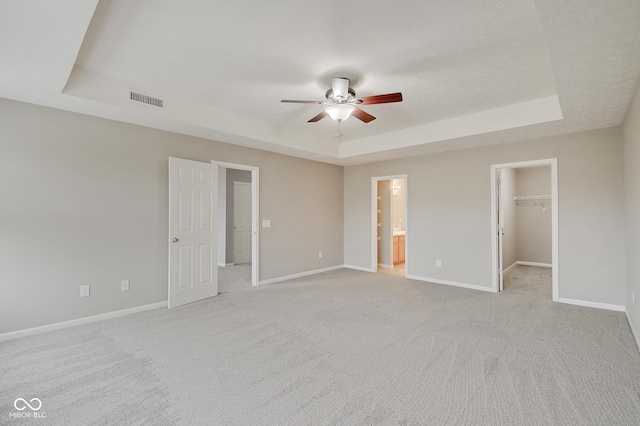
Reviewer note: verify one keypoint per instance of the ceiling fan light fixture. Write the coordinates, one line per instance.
(341, 102)
(339, 112)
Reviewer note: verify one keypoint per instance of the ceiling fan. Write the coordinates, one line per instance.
(342, 102)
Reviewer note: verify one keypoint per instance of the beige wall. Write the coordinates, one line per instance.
(533, 222)
(449, 213)
(84, 201)
(631, 137)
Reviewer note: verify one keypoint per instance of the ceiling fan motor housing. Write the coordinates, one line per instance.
(351, 94)
(340, 91)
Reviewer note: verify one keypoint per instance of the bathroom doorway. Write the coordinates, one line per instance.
(389, 233)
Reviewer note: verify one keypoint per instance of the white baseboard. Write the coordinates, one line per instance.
(384, 265)
(452, 283)
(301, 274)
(542, 265)
(358, 268)
(512, 265)
(633, 329)
(230, 264)
(588, 304)
(222, 265)
(79, 321)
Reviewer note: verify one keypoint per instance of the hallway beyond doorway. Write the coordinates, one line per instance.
(398, 270)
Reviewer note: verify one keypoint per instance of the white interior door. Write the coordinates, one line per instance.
(241, 222)
(193, 272)
(500, 230)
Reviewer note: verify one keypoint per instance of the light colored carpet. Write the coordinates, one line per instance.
(530, 282)
(343, 347)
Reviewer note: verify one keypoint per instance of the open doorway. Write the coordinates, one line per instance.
(238, 220)
(525, 230)
(389, 233)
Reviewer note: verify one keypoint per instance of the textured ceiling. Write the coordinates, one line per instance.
(222, 67)
(448, 58)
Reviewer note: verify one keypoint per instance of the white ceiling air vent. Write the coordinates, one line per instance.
(149, 100)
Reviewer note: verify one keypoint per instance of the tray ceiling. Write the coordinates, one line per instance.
(472, 72)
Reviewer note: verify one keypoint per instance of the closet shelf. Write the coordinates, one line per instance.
(533, 198)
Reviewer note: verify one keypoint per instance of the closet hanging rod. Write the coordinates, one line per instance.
(532, 198)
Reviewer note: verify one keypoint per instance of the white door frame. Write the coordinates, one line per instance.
(222, 216)
(495, 262)
(255, 211)
(374, 221)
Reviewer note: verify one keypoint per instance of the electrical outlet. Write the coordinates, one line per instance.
(319, 255)
(439, 263)
(125, 285)
(85, 290)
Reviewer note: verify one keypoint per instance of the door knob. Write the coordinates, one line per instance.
(174, 240)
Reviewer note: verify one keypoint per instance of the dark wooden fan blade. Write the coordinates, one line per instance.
(318, 117)
(380, 99)
(361, 115)
(288, 101)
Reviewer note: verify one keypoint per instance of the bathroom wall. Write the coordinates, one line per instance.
(398, 204)
(385, 243)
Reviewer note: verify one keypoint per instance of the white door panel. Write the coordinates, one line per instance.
(193, 273)
(241, 222)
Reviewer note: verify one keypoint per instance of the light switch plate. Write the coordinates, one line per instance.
(85, 291)
(266, 223)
